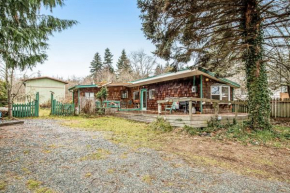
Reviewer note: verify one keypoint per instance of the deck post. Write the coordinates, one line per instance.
(79, 106)
(190, 109)
(159, 109)
(201, 95)
(216, 109)
(232, 99)
(236, 110)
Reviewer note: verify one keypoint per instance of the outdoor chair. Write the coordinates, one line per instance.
(130, 103)
(123, 104)
(171, 107)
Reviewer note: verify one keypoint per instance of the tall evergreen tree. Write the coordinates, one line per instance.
(96, 65)
(24, 33)
(123, 62)
(238, 31)
(158, 69)
(108, 61)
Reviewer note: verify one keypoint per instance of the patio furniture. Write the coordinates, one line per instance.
(171, 107)
(130, 103)
(112, 104)
(123, 104)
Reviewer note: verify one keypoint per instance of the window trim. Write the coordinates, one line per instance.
(151, 96)
(90, 97)
(134, 95)
(126, 94)
(221, 91)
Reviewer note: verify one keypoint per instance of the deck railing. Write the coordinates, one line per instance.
(215, 103)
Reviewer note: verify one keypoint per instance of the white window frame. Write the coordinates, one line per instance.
(134, 95)
(89, 95)
(124, 94)
(151, 95)
(221, 91)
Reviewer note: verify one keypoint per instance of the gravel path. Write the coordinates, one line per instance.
(67, 160)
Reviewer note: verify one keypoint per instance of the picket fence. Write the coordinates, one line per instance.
(58, 108)
(30, 109)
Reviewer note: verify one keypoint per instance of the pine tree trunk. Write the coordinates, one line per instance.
(257, 84)
(288, 89)
(9, 92)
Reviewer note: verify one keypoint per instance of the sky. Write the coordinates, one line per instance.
(113, 24)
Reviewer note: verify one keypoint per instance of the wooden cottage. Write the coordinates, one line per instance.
(144, 94)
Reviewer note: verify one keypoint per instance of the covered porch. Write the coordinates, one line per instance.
(189, 116)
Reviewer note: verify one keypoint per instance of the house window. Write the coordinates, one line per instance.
(136, 95)
(124, 94)
(220, 92)
(284, 89)
(89, 95)
(152, 94)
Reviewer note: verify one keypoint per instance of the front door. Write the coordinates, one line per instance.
(143, 100)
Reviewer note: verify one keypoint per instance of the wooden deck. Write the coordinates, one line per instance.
(180, 120)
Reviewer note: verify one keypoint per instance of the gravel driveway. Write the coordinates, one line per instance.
(59, 159)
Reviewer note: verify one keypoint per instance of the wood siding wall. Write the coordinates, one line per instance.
(173, 88)
(82, 93)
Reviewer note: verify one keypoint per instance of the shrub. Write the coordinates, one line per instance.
(191, 130)
(100, 111)
(161, 125)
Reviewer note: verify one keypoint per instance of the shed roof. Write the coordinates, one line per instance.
(46, 77)
(83, 86)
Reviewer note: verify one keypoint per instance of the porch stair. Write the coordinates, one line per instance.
(196, 121)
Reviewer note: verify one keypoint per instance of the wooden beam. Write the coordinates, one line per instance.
(183, 99)
(201, 95)
(159, 109)
(190, 109)
(79, 101)
(236, 111)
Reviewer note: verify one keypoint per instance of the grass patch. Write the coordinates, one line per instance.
(26, 170)
(161, 125)
(44, 112)
(26, 152)
(98, 155)
(3, 185)
(111, 171)
(120, 130)
(87, 175)
(147, 179)
(279, 136)
(33, 184)
(44, 190)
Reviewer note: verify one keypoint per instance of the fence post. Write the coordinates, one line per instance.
(51, 103)
(275, 108)
(37, 105)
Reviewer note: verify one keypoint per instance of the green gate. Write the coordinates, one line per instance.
(58, 108)
(30, 109)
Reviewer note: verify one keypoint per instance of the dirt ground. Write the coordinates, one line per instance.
(44, 156)
(262, 162)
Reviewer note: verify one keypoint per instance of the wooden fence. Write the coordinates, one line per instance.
(280, 108)
(30, 109)
(58, 108)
